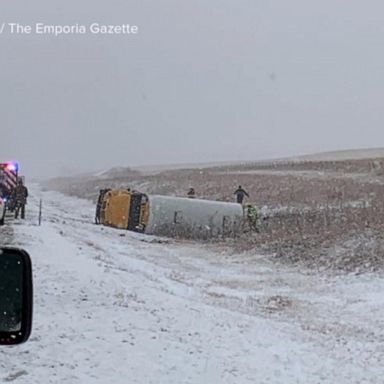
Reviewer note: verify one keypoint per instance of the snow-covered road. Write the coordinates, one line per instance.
(118, 307)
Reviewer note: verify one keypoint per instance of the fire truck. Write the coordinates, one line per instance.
(8, 180)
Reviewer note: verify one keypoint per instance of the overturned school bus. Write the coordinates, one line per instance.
(167, 215)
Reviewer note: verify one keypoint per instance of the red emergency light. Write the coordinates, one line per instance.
(12, 166)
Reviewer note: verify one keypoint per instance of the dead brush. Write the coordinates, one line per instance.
(340, 238)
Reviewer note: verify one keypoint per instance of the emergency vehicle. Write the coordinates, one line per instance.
(2, 210)
(8, 180)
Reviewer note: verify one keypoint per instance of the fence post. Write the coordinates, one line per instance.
(40, 210)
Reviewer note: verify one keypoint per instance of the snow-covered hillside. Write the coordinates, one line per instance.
(348, 154)
(117, 307)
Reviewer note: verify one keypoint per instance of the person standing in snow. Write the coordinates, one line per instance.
(240, 193)
(21, 194)
(252, 218)
(191, 193)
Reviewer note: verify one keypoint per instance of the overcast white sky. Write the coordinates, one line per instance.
(203, 80)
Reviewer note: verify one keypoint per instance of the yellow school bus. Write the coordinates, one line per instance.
(168, 215)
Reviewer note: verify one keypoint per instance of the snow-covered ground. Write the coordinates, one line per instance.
(118, 307)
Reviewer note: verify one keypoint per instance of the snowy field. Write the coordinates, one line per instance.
(117, 307)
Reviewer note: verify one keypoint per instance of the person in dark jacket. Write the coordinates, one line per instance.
(191, 193)
(21, 194)
(240, 193)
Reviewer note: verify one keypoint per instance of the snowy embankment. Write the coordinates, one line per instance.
(117, 307)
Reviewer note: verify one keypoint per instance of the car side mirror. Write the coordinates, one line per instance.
(16, 296)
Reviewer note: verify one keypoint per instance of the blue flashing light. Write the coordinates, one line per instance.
(13, 166)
